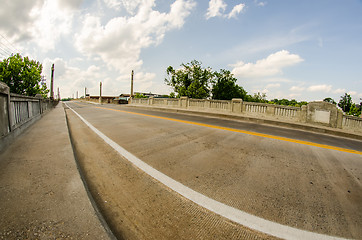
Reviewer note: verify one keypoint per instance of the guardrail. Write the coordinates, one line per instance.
(315, 113)
(17, 112)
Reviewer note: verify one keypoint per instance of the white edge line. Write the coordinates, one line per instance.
(233, 214)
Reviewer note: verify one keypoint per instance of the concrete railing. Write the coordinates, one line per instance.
(352, 122)
(315, 113)
(18, 112)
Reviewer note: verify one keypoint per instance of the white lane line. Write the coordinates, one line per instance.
(233, 214)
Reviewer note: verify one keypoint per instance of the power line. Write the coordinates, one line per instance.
(12, 47)
(5, 50)
(4, 53)
(5, 46)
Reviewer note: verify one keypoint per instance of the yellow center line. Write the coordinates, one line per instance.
(244, 131)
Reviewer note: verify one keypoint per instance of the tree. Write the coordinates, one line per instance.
(191, 80)
(225, 87)
(139, 95)
(354, 110)
(345, 103)
(330, 100)
(22, 75)
(258, 97)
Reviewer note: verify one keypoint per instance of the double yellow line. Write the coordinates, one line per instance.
(243, 131)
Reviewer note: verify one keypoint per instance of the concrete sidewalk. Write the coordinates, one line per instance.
(42, 195)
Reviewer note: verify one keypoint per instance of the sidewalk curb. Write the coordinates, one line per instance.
(90, 197)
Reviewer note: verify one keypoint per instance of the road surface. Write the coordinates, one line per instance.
(304, 180)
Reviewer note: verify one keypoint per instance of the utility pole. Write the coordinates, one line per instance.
(52, 84)
(100, 92)
(85, 92)
(132, 84)
(77, 94)
(58, 94)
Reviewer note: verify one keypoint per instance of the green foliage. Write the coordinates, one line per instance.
(194, 81)
(354, 111)
(330, 100)
(345, 103)
(257, 97)
(286, 102)
(225, 87)
(22, 75)
(191, 80)
(66, 99)
(138, 95)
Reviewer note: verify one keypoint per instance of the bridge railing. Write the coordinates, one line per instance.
(18, 112)
(315, 113)
(352, 122)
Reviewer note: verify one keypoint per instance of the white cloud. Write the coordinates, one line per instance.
(120, 40)
(261, 4)
(53, 19)
(216, 8)
(236, 10)
(270, 66)
(339, 90)
(114, 4)
(293, 95)
(129, 5)
(17, 26)
(297, 89)
(273, 85)
(70, 79)
(320, 88)
(42, 22)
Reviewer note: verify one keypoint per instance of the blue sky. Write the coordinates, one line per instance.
(304, 50)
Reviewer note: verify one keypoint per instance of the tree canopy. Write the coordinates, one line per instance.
(347, 105)
(192, 80)
(225, 87)
(22, 75)
(330, 100)
(345, 102)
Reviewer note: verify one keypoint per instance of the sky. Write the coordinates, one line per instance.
(304, 50)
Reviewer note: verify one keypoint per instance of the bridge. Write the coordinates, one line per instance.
(158, 172)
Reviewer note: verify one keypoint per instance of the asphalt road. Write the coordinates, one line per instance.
(295, 178)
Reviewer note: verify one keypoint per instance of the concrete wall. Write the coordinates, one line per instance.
(17, 112)
(4, 109)
(315, 113)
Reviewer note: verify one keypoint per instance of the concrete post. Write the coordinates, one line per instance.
(150, 101)
(5, 115)
(339, 119)
(132, 83)
(270, 109)
(30, 109)
(236, 105)
(52, 84)
(184, 102)
(100, 92)
(303, 114)
(207, 104)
